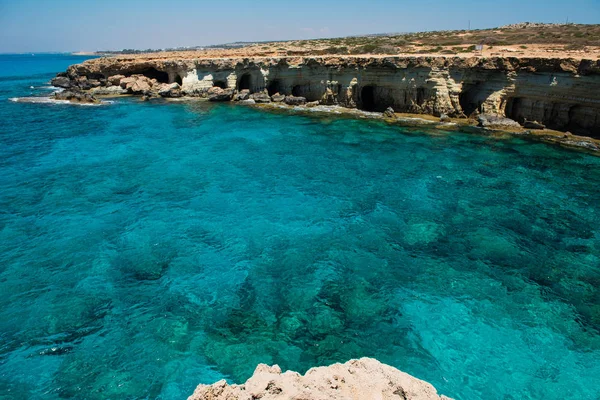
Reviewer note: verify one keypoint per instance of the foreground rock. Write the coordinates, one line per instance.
(362, 379)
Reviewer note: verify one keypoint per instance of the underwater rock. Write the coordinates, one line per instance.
(362, 379)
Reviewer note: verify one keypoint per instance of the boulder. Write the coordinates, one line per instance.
(75, 96)
(295, 100)
(312, 104)
(61, 82)
(389, 113)
(126, 82)
(170, 90)
(445, 118)
(242, 95)
(261, 97)
(217, 94)
(496, 121)
(115, 79)
(140, 86)
(533, 125)
(278, 98)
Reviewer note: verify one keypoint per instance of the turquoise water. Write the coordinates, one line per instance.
(149, 247)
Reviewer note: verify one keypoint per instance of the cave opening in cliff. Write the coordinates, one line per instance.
(469, 98)
(274, 87)
(178, 79)
(153, 73)
(367, 99)
(297, 91)
(220, 84)
(245, 82)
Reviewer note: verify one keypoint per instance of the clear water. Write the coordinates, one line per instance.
(149, 247)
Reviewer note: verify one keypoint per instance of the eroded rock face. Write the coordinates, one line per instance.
(363, 379)
(561, 94)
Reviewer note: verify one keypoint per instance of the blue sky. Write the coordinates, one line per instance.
(87, 25)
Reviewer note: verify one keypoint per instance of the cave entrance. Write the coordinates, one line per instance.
(274, 87)
(297, 91)
(245, 82)
(153, 73)
(367, 98)
(469, 98)
(178, 79)
(220, 84)
(513, 109)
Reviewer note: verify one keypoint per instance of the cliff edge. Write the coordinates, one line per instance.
(362, 379)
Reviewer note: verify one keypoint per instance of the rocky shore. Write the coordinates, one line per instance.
(363, 379)
(532, 94)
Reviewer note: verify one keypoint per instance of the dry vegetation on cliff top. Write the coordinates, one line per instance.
(520, 40)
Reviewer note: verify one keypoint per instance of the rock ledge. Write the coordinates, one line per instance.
(362, 379)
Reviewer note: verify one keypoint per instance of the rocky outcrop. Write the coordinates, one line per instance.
(75, 96)
(170, 90)
(561, 94)
(492, 121)
(364, 379)
(219, 94)
(294, 100)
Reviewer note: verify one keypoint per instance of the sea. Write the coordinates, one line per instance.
(148, 247)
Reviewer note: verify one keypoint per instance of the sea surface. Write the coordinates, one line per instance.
(147, 247)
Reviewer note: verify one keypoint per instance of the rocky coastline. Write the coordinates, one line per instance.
(528, 95)
(362, 379)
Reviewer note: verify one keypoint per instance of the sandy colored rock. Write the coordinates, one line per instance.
(363, 379)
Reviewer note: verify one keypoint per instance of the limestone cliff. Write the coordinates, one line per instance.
(563, 94)
(363, 379)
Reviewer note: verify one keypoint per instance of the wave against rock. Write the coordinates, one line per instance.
(362, 379)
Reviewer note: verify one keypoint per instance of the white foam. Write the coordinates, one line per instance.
(50, 100)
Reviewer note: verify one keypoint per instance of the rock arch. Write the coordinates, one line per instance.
(220, 83)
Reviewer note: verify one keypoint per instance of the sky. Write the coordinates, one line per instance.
(92, 25)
